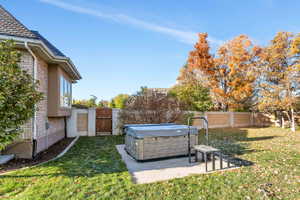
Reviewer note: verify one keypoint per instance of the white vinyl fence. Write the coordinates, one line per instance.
(82, 122)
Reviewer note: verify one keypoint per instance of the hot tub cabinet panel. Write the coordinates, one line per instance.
(153, 146)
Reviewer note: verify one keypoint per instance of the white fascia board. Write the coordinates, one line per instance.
(46, 50)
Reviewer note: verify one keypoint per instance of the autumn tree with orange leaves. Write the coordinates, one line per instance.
(280, 88)
(231, 74)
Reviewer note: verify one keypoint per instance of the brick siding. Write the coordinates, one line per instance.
(26, 63)
(45, 137)
(42, 113)
(56, 132)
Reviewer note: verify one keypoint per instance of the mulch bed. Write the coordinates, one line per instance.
(43, 156)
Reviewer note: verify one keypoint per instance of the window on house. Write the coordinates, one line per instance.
(65, 93)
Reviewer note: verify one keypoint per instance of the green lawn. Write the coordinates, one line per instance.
(92, 169)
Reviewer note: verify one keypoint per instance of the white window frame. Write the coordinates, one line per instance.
(65, 90)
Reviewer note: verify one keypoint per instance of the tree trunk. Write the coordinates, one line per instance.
(293, 121)
(226, 107)
(277, 119)
(282, 121)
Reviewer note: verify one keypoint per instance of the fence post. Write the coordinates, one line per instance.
(205, 116)
(231, 119)
(91, 122)
(115, 121)
(72, 124)
(252, 119)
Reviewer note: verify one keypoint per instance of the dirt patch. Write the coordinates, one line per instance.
(43, 156)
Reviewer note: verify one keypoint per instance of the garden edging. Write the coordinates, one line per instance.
(55, 158)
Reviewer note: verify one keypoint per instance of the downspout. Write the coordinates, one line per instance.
(34, 127)
(66, 132)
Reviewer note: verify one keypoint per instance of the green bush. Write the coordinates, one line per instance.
(18, 94)
(186, 117)
(194, 96)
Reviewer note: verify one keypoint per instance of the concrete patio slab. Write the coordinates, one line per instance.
(152, 171)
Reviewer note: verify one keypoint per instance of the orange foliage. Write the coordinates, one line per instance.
(280, 61)
(231, 74)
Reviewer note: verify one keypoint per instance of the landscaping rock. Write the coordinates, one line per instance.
(6, 158)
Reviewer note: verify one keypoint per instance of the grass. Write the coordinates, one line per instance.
(92, 169)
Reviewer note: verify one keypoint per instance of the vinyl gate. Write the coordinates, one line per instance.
(103, 121)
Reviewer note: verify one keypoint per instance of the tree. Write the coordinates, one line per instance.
(191, 93)
(18, 94)
(112, 104)
(90, 103)
(231, 75)
(120, 100)
(194, 96)
(281, 76)
(143, 90)
(151, 108)
(103, 104)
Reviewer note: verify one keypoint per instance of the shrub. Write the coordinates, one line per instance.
(18, 94)
(151, 107)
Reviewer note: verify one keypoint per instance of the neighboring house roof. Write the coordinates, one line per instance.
(11, 28)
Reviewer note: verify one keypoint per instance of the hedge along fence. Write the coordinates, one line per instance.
(215, 120)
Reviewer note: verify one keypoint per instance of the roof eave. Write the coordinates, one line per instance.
(45, 49)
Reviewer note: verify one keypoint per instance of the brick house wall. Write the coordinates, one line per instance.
(55, 132)
(26, 63)
(56, 126)
(51, 62)
(22, 147)
(42, 113)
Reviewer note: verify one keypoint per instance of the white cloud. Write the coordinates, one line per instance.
(182, 36)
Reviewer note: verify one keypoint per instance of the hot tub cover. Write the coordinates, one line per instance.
(138, 125)
(160, 131)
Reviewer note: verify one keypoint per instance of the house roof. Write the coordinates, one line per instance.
(54, 50)
(9, 25)
(12, 28)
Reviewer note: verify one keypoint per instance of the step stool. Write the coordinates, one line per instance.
(205, 151)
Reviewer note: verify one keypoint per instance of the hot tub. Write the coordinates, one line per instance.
(142, 125)
(159, 141)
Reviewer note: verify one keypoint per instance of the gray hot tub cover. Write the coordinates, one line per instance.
(160, 131)
(138, 125)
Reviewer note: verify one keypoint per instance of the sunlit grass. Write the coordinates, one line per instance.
(93, 169)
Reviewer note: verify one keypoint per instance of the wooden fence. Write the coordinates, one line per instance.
(216, 120)
(233, 119)
(83, 121)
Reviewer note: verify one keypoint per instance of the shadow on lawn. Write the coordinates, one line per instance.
(92, 156)
(232, 141)
(89, 157)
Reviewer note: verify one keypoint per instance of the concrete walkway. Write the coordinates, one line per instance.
(152, 171)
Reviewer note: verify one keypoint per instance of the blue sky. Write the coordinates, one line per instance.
(120, 45)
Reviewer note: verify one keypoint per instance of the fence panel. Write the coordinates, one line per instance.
(242, 119)
(218, 119)
(103, 121)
